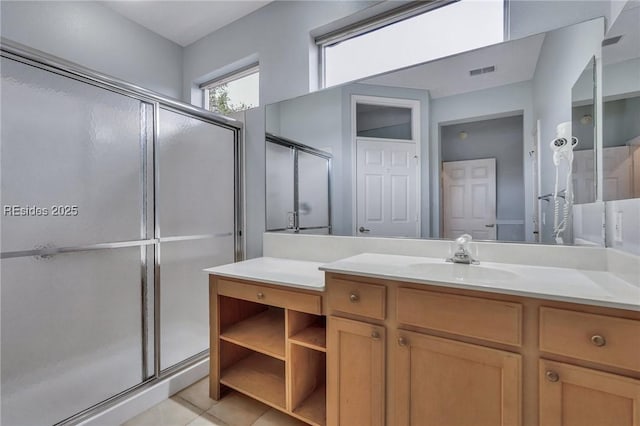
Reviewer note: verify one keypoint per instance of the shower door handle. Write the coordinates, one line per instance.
(363, 229)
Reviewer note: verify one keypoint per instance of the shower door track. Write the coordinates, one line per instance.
(26, 55)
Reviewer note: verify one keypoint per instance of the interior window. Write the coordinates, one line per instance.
(456, 27)
(234, 92)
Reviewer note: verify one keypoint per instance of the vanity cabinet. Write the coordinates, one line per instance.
(269, 342)
(436, 355)
(576, 396)
(356, 371)
(444, 382)
(571, 395)
(426, 379)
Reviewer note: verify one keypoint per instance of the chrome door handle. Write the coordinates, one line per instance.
(363, 229)
(491, 225)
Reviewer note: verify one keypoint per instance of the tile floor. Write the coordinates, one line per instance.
(193, 407)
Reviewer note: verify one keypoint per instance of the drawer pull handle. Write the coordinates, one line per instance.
(260, 295)
(402, 341)
(375, 335)
(552, 376)
(353, 297)
(598, 340)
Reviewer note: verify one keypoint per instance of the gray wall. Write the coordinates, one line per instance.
(279, 37)
(96, 37)
(316, 121)
(499, 138)
(505, 101)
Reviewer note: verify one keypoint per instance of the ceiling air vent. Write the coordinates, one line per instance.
(611, 40)
(484, 70)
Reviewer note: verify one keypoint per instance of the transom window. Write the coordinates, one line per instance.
(428, 31)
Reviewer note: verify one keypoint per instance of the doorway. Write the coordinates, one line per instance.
(485, 201)
(469, 198)
(386, 141)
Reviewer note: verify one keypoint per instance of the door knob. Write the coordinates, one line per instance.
(491, 225)
(363, 229)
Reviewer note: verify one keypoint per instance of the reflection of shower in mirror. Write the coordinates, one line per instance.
(562, 147)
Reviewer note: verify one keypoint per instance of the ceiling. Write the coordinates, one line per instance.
(184, 22)
(515, 61)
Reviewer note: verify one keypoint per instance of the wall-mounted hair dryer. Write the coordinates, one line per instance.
(562, 147)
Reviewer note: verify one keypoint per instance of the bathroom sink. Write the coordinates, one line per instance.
(460, 272)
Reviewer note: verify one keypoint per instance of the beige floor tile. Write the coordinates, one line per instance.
(238, 410)
(172, 412)
(276, 418)
(208, 420)
(198, 394)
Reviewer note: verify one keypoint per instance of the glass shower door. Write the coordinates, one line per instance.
(195, 224)
(73, 244)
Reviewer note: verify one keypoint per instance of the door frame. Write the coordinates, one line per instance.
(412, 104)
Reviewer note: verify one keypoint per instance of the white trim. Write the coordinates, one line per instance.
(232, 76)
(414, 105)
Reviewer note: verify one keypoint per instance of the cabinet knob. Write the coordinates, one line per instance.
(402, 341)
(375, 335)
(354, 297)
(598, 340)
(552, 376)
(260, 295)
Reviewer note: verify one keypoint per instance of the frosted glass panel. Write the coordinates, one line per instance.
(71, 333)
(313, 190)
(184, 295)
(279, 186)
(196, 183)
(67, 143)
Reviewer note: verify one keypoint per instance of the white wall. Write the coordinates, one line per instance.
(565, 53)
(278, 35)
(96, 37)
(529, 17)
(624, 213)
(465, 107)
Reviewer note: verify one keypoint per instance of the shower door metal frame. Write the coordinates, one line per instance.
(297, 147)
(28, 56)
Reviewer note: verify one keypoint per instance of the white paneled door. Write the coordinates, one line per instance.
(469, 198)
(387, 188)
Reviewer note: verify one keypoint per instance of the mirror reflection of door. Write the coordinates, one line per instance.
(469, 198)
(483, 179)
(387, 183)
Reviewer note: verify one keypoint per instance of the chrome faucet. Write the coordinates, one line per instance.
(462, 253)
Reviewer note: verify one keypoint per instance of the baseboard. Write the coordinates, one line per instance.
(148, 397)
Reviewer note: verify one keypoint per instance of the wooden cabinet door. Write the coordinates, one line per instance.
(443, 382)
(576, 396)
(355, 373)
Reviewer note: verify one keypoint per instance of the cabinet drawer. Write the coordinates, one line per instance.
(289, 299)
(367, 300)
(591, 337)
(485, 319)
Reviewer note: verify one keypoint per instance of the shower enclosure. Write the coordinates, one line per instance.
(113, 201)
(297, 187)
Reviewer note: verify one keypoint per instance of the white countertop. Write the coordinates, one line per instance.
(597, 288)
(271, 270)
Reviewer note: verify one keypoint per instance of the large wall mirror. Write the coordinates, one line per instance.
(621, 130)
(459, 144)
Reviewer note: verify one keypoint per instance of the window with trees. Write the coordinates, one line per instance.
(233, 92)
